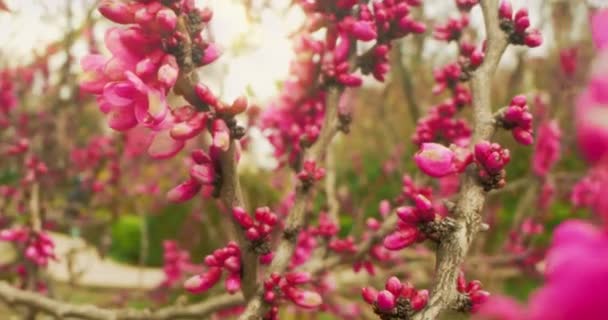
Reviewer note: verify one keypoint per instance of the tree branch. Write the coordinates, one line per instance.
(453, 249)
(296, 219)
(62, 310)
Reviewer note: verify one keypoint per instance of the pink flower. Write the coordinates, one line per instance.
(599, 28)
(435, 160)
(577, 275)
(203, 282)
(548, 148)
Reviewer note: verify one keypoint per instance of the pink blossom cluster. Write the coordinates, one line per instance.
(310, 173)
(410, 218)
(517, 26)
(19, 146)
(548, 148)
(439, 161)
(575, 279)
(518, 119)
(204, 176)
(472, 290)
(293, 121)
(440, 125)
(466, 5)
(176, 262)
(258, 231)
(471, 56)
(287, 287)
(491, 160)
(592, 104)
(132, 86)
(399, 300)
(589, 191)
(452, 29)
(228, 259)
(38, 246)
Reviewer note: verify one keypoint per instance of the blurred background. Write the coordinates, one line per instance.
(109, 242)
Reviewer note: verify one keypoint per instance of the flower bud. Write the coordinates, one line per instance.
(386, 300)
(435, 160)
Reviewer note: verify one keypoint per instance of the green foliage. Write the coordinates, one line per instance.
(126, 234)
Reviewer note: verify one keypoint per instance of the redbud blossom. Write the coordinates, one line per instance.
(435, 160)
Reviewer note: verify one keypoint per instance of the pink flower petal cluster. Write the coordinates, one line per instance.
(518, 119)
(396, 298)
(473, 291)
(39, 248)
(517, 26)
(225, 259)
(132, 85)
(548, 149)
(436, 160)
(576, 279)
(491, 160)
(175, 263)
(466, 5)
(441, 126)
(278, 287)
(452, 29)
(407, 232)
(204, 172)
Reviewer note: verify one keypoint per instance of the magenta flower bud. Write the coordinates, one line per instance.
(267, 258)
(385, 301)
(205, 95)
(233, 264)
(420, 300)
(401, 238)
(200, 157)
(253, 234)
(522, 24)
(385, 208)
(519, 100)
(479, 296)
(533, 39)
(477, 58)
(350, 80)
(204, 174)
(407, 215)
(203, 282)
(505, 11)
(369, 295)
(364, 31)
(233, 283)
(241, 216)
(269, 296)
(184, 191)
(116, 11)
(212, 53)
(423, 203)
(296, 278)
(166, 20)
(521, 13)
(167, 75)
(393, 284)
(523, 136)
(211, 261)
(435, 160)
(305, 299)
(221, 135)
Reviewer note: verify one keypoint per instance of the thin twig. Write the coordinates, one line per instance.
(61, 310)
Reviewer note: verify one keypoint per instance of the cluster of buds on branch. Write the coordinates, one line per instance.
(228, 259)
(287, 287)
(399, 300)
(517, 27)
